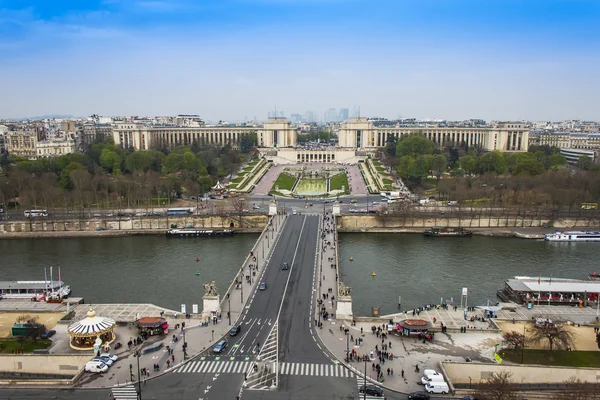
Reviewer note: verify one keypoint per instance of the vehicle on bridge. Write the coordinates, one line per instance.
(285, 266)
(235, 330)
(35, 213)
(371, 390)
(262, 286)
(179, 211)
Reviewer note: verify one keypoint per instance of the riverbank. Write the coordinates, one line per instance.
(522, 233)
(95, 234)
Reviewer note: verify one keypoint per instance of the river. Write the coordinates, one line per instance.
(153, 269)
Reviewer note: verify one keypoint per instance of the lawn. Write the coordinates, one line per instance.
(11, 345)
(589, 359)
(284, 181)
(336, 182)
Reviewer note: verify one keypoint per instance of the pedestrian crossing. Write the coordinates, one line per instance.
(336, 370)
(240, 367)
(124, 393)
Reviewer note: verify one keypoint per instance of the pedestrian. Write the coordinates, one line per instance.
(403, 373)
(173, 358)
(373, 366)
(391, 371)
(388, 372)
(361, 330)
(168, 363)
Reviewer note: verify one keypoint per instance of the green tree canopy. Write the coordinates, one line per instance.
(414, 146)
(492, 162)
(65, 175)
(110, 160)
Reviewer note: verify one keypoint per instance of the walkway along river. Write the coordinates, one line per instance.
(150, 269)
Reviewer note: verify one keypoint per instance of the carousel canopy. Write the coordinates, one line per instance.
(218, 186)
(151, 322)
(92, 325)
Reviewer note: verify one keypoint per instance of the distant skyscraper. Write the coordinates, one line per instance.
(343, 114)
(296, 118)
(309, 116)
(355, 111)
(331, 115)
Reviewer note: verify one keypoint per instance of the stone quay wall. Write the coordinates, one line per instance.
(130, 225)
(391, 223)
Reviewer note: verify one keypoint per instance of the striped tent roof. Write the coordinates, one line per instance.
(92, 325)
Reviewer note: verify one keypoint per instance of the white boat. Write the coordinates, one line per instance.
(31, 289)
(573, 236)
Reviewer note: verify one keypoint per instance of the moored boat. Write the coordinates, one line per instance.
(573, 236)
(197, 233)
(594, 276)
(33, 289)
(446, 231)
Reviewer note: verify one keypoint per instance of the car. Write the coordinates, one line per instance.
(104, 360)
(375, 203)
(285, 266)
(353, 201)
(469, 397)
(140, 214)
(109, 215)
(245, 210)
(96, 367)
(371, 390)
(48, 334)
(419, 396)
(113, 357)
(294, 212)
(262, 286)
(256, 207)
(221, 346)
(97, 215)
(235, 330)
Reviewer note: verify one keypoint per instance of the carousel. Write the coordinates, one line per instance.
(150, 326)
(413, 327)
(85, 332)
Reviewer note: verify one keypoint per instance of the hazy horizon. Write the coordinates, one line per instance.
(237, 59)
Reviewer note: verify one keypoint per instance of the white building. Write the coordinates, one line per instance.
(55, 147)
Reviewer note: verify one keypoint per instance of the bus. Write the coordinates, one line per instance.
(179, 211)
(589, 206)
(35, 213)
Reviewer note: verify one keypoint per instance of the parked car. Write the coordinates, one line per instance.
(437, 387)
(371, 390)
(220, 347)
(48, 334)
(235, 330)
(113, 357)
(105, 360)
(96, 367)
(418, 396)
(262, 286)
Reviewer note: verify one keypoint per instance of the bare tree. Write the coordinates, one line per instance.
(556, 334)
(497, 387)
(240, 207)
(575, 389)
(515, 339)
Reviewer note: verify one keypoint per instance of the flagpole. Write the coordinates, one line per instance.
(550, 290)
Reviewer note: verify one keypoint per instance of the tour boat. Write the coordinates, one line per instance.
(195, 233)
(573, 236)
(455, 232)
(31, 289)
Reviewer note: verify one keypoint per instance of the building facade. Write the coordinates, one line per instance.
(55, 147)
(276, 132)
(23, 142)
(507, 136)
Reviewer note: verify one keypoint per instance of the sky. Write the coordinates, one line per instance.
(237, 59)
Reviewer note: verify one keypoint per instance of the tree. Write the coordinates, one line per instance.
(414, 146)
(514, 339)
(497, 387)
(555, 161)
(531, 167)
(468, 164)
(65, 175)
(575, 389)
(492, 162)
(556, 334)
(584, 163)
(110, 161)
(438, 166)
(390, 146)
(248, 141)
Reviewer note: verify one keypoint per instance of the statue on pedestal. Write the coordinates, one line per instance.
(343, 290)
(210, 289)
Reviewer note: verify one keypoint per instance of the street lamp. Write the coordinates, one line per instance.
(137, 355)
(347, 345)
(242, 286)
(365, 379)
(523, 344)
(212, 335)
(229, 305)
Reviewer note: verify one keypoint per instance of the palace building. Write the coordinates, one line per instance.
(506, 136)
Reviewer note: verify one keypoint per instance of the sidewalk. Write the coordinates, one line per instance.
(198, 337)
(404, 353)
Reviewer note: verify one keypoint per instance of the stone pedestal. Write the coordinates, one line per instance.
(272, 208)
(343, 309)
(211, 307)
(336, 208)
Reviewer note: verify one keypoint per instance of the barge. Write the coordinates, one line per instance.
(174, 233)
(450, 232)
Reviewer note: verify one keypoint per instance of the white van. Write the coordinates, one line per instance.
(432, 378)
(437, 387)
(96, 367)
(428, 372)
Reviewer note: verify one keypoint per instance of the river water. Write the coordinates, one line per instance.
(151, 269)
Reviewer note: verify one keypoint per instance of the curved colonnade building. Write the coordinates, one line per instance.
(354, 134)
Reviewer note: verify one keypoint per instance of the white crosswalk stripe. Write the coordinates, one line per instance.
(239, 367)
(124, 393)
(360, 381)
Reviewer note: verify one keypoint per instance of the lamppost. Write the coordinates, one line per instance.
(137, 355)
(242, 286)
(365, 379)
(212, 335)
(184, 342)
(347, 345)
(523, 344)
(229, 305)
